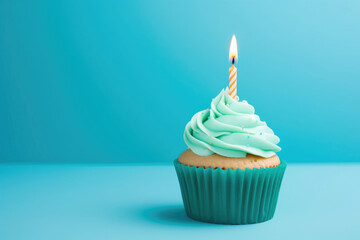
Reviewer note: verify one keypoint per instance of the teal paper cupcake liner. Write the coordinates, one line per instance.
(230, 196)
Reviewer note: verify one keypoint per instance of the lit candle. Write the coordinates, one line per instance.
(233, 56)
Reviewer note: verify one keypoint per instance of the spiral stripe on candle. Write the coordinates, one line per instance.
(232, 82)
(232, 72)
(232, 90)
(232, 87)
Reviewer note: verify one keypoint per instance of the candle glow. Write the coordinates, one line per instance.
(233, 53)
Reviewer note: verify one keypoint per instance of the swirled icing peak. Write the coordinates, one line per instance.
(230, 128)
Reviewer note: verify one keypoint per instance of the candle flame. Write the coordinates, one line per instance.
(233, 53)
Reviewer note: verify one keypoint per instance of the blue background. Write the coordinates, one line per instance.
(116, 81)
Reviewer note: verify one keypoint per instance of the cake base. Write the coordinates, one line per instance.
(189, 158)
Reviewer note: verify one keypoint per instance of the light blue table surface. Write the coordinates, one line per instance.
(144, 202)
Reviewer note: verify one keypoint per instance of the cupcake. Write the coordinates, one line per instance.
(231, 173)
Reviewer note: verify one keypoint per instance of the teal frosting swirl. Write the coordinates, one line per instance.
(230, 128)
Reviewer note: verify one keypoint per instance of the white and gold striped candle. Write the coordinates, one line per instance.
(233, 56)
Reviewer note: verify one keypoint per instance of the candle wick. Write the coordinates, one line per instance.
(233, 61)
